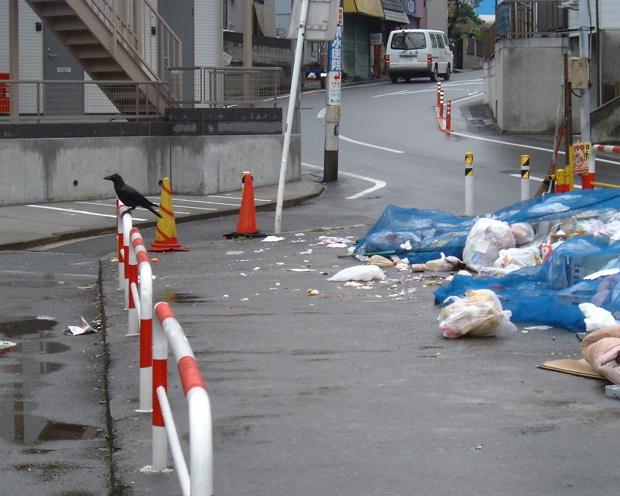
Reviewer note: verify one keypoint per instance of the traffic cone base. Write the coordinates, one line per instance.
(166, 230)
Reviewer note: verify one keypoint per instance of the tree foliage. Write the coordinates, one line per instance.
(463, 20)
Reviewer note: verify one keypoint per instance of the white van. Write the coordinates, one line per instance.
(418, 52)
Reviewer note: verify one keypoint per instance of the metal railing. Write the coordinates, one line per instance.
(149, 38)
(529, 18)
(226, 86)
(80, 100)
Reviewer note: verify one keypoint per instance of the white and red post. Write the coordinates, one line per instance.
(166, 328)
(146, 321)
(589, 178)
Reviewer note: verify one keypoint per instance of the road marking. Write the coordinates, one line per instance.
(459, 100)
(378, 183)
(229, 198)
(540, 179)
(429, 90)
(208, 202)
(321, 113)
(73, 211)
(391, 150)
(519, 145)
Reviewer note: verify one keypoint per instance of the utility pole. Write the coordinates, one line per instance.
(332, 108)
(568, 110)
(14, 58)
(584, 53)
(248, 33)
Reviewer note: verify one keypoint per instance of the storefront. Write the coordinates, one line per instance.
(361, 18)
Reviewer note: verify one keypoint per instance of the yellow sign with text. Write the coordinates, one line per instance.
(580, 156)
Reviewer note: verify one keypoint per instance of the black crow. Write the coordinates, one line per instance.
(129, 196)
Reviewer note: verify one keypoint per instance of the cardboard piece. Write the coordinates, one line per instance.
(570, 366)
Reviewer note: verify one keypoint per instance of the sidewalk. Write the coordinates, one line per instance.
(26, 226)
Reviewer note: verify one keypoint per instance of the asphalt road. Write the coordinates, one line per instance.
(350, 392)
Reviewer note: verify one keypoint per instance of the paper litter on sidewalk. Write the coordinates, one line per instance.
(83, 328)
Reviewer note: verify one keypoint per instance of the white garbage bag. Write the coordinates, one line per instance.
(359, 273)
(485, 240)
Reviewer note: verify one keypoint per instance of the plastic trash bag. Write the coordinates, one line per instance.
(523, 233)
(484, 242)
(601, 349)
(596, 317)
(517, 258)
(359, 273)
(478, 314)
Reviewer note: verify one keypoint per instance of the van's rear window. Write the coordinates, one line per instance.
(408, 41)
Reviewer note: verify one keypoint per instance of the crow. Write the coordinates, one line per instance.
(129, 196)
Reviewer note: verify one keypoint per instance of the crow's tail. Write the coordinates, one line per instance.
(154, 211)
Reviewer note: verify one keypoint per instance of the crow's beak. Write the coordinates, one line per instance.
(109, 178)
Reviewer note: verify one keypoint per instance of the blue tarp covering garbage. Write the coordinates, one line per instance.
(431, 232)
(549, 294)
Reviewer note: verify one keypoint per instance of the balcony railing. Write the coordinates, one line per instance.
(57, 101)
(530, 18)
(202, 86)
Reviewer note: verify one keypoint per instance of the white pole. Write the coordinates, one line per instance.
(525, 177)
(469, 183)
(289, 114)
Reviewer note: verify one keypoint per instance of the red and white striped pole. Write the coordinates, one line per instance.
(132, 281)
(441, 103)
(126, 225)
(200, 430)
(146, 321)
(449, 117)
(438, 92)
(119, 245)
(160, 380)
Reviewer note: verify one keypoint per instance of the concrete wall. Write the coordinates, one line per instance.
(524, 84)
(437, 15)
(72, 168)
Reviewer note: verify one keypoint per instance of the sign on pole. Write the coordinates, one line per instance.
(321, 20)
(580, 156)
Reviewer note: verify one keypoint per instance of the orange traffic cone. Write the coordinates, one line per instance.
(246, 226)
(166, 230)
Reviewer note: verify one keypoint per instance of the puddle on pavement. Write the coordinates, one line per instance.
(15, 397)
(13, 327)
(172, 297)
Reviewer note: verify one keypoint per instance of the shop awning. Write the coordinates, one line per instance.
(393, 11)
(371, 8)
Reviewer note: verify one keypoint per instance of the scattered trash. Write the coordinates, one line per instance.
(602, 273)
(596, 317)
(83, 328)
(406, 246)
(271, 239)
(313, 292)
(440, 264)
(302, 269)
(359, 273)
(478, 314)
(418, 267)
(307, 252)
(571, 366)
(6, 346)
(522, 232)
(154, 260)
(612, 391)
(380, 261)
(234, 252)
(537, 328)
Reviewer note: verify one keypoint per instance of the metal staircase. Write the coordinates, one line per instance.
(134, 45)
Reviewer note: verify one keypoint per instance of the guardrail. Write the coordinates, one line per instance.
(198, 480)
(591, 183)
(226, 86)
(136, 280)
(45, 100)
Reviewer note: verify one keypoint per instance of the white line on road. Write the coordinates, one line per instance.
(459, 100)
(73, 211)
(321, 113)
(428, 90)
(519, 145)
(539, 179)
(227, 198)
(391, 150)
(378, 183)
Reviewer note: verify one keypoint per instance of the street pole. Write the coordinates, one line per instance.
(248, 28)
(332, 107)
(584, 53)
(290, 114)
(568, 110)
(14, 58)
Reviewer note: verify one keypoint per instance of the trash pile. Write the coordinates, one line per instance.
(541, 257)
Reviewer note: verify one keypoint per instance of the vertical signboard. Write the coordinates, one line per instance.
(334, 70)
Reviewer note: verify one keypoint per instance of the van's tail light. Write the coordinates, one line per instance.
(386, 59)
(429, 59)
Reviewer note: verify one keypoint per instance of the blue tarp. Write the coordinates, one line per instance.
(431, 232)
(549, 294)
